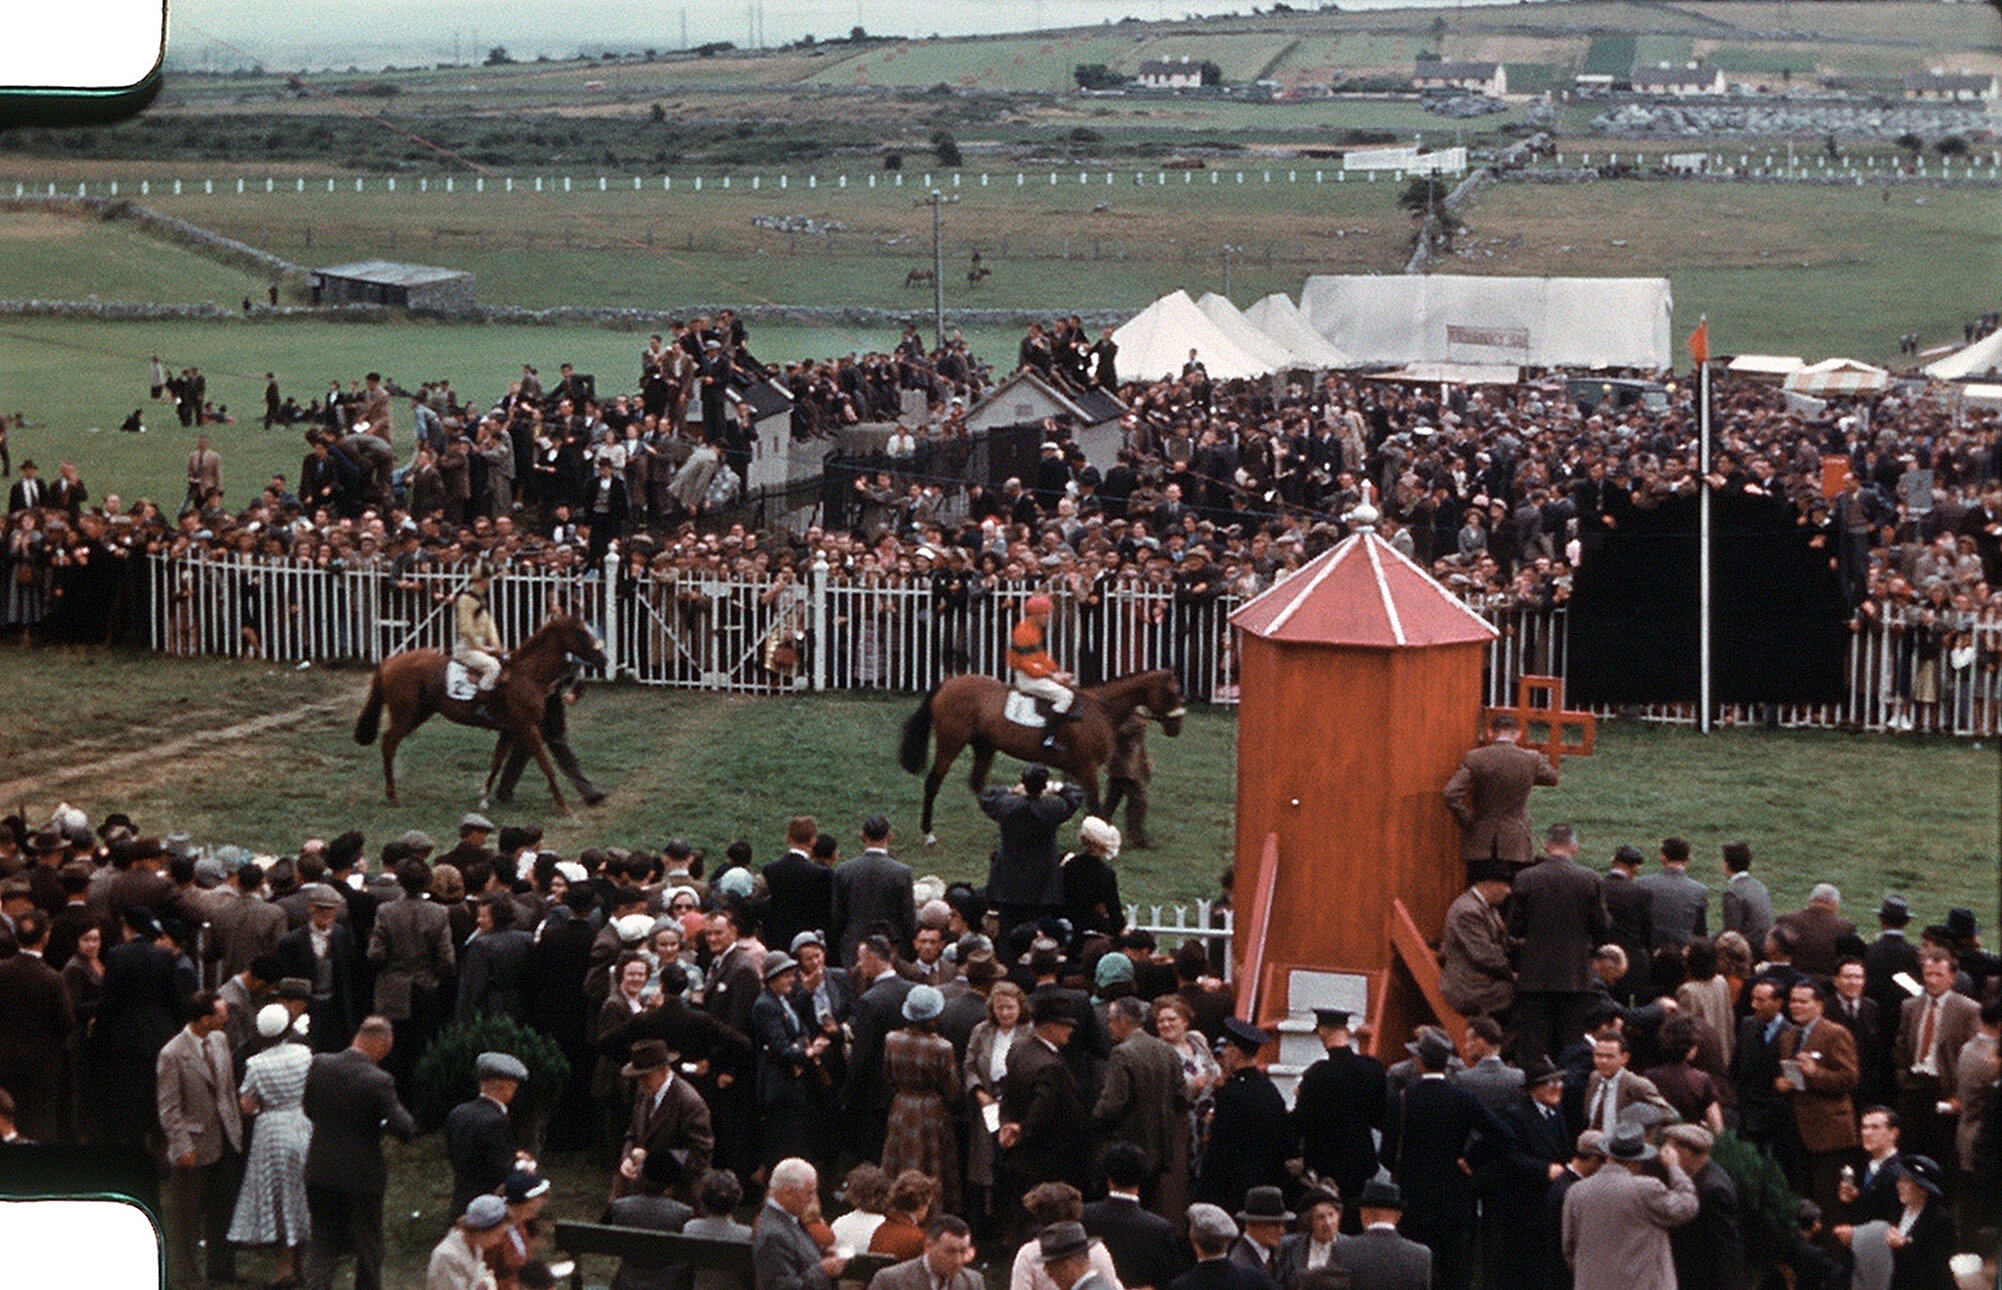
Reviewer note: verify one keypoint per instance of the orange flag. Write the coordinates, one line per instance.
(1699, 342)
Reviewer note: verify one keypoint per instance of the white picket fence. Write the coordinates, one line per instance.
(1207, 922)
(1807, 166)
(857, 632)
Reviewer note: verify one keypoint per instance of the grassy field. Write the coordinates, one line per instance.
(1869, 813)
(51, 256)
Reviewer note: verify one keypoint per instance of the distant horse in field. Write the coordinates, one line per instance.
(411, 685)
(969, 710)
(919, 278)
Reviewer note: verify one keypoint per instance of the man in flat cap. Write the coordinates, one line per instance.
(1211, 1231)
(458, 1262)
(323, 952)
(1249, 1133)
(478, 1139)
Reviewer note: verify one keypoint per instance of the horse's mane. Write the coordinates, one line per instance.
(542, 634)
(1120, 686)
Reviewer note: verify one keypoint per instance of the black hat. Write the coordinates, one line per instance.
(1062, 1240)
(1541, 1071)
(1331, 1018)
(1377, 1194)
(1961, 924)
(1432, 1047)
(1265, 1205)
(1924, 1171)
(1895, 910)
(1052, 1008)
(1490, 871)
(647, 1055)
(1629, 855)
(1629, 1143)
(1242, 1033)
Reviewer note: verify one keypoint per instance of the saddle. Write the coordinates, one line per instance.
(459, 683)
(1027, 710)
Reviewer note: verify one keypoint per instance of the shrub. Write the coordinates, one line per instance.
(444, 1076)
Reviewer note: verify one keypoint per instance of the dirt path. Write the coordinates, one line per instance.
(165, 753)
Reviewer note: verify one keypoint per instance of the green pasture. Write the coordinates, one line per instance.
(1942, 27)
(1870, 813)
(48, 256)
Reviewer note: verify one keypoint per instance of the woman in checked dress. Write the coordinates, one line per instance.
(271, 1207)
(924, 1087)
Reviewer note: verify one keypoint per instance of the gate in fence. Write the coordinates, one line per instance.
(870, 629)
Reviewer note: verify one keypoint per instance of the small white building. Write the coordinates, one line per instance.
(1691, 80)
(1941, 86)
(1490, 79)
(1181, 73)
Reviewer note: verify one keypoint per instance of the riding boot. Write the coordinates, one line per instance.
(1136, 820)
(1051, 743)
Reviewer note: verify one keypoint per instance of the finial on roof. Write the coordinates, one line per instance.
(1363, 517)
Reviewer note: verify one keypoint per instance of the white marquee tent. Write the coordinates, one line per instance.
(1230, 322)
(1155, 343)
(1278, 317)
(1458, 318)
(1979, 359)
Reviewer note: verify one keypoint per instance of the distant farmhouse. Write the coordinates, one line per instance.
(400, 286)
(1171, 74)
(1490, 79)
(1952, 87)
(1692, 80)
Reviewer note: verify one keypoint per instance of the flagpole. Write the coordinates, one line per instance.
(1703, 527)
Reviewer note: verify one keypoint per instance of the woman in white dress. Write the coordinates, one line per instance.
(271, 1207)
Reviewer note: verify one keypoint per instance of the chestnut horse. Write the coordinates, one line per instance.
(411, 684)
(968, 710)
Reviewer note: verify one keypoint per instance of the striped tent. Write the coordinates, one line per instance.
(1837, 378)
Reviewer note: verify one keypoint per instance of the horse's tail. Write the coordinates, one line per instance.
(917, 735)
(371, 712)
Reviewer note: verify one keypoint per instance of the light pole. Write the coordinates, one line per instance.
(937, 201)
(1228, 252)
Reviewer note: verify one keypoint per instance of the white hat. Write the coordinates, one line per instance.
(272, 1019)
(634, 927)
(1100, 835)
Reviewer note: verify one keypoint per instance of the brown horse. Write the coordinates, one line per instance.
(968, 710)
(411, 684)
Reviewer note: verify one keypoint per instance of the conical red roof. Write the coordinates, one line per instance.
(1364, 592)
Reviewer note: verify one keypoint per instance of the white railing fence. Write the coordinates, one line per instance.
(1205, 922)
(837, 629)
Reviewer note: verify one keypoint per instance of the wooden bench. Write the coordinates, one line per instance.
(650, 1248)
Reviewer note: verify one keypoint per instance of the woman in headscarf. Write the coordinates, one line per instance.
(923, 1075)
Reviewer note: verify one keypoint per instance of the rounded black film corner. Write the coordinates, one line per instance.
(57, 1202)
(81, 62)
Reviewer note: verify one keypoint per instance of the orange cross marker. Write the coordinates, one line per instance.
(1546, 726)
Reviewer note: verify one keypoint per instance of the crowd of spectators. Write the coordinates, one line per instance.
(1218, 489)
(744, 1027)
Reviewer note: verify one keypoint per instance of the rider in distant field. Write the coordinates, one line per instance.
(1035, 672)
(477, 644)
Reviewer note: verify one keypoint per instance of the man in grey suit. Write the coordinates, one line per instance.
(872, 888)
(1559, 915)
(783, 1256)
(245, 924)
(204, 1132)
(1378, 1258)
(1747, 907)
(943, 1265)
(1143, 1099)
(1616, 1222)
(1678, 905)
(1489, 796)
(410, 947)
(1497, 1084)
(1476, 974)
(351, 1101)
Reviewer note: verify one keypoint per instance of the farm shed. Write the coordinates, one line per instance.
(400, 286)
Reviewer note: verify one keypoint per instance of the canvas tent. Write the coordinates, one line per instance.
(1835, 378)
(1765, 367)
(1155, 343)
(1246, 337)
(1457, 318)
(1982, 358)
(1278, 317)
